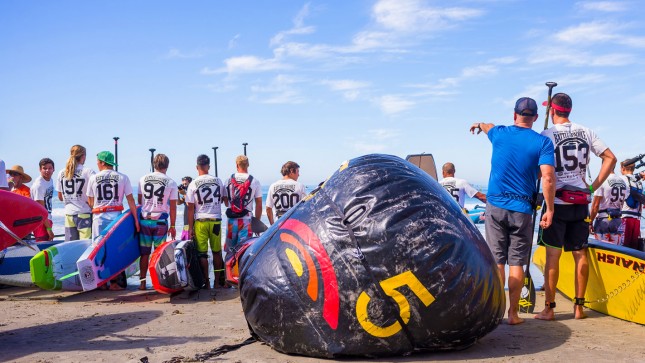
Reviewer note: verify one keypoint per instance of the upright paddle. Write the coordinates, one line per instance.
(116, 152)
(215, 159)
(152, 158)
(527, 297)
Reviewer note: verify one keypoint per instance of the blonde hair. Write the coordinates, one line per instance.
(75, 154)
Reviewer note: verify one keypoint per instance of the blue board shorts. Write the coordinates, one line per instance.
(238, 230)
(153, 233)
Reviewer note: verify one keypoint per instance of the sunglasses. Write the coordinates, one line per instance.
(13, 173)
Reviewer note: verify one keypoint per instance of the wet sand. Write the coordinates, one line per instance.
(126, 326)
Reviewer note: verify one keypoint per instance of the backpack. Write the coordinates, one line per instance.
(636, 196)
(237, 208)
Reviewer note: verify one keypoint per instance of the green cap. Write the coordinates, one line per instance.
(106, 157)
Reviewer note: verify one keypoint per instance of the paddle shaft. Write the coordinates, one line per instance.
(215, 158)
(116, 152)
(538, 184)
(152, 158)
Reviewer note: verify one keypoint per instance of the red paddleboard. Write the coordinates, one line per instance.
(163, 269)
(20, 214)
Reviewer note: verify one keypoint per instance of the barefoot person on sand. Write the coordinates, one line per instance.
(158, 200)
(458, 188)
(42, 191)
(105, 192)
(204, 197)
(519, 155)
(286, 192)
(72, 190)
(573, 145)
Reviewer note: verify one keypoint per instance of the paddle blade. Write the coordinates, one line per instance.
(527, 297)
(257, 226)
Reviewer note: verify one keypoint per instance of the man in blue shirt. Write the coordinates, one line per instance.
(520, 156)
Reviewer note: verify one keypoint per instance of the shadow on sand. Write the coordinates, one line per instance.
(101, 332)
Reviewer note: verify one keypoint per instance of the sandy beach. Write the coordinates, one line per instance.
(126, 326)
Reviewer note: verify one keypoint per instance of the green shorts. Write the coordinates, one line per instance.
(208, 231)
(78, 226)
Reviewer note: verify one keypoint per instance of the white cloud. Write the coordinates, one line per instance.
(280, 90)
(605, 6)
(593, 32)
(504, 60)
(233, 42)
(247, 64)
(175, 53)
(376, 140)
(350, 89)
(391, 104)
(298, 29)
(416, 16)
(579, 58)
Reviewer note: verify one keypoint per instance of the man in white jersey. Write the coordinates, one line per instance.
(204, 196)
(573, 145)
(286, 192)
(105, 192)
(633, 206)
(72, 190)
(605, 209)
(42, 191)
(458, 188)
(158, 200)
(244, 191)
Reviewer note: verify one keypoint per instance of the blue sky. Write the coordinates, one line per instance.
(316, 82)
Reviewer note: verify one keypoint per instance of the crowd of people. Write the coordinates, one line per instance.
(94, 199)
(558, 157)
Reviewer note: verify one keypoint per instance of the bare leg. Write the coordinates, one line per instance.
(515, 284)
(551, 275)
(582, 276)
(502, 274)
(218, 265)
(203, 261)
(143, 271)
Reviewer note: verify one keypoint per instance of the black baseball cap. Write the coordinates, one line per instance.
(526, 106)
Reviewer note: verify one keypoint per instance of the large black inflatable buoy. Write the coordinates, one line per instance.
(378, 261)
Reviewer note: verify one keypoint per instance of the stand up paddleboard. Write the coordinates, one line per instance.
(163, 269)
(49, 266)
(116, 248)
(20, 215)
(14, 263)
(188, 269)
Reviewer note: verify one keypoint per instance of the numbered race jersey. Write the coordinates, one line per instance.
(74, 190)
(284, 194)
(156, 189)
(108, 187)
(613, 191)
(573, 144)
(206, 192)
(458, 189)
(43, 190)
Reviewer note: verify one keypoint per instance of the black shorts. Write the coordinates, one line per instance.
(570, 228)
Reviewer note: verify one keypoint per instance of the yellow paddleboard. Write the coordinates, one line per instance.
(616, 287)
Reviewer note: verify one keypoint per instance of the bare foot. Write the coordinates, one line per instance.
(546, 314)
(116, 287)
(578, 312)
(514, 320)
(143, 286)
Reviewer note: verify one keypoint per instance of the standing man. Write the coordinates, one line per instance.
(458, 188)
(4, 184)
(633, 206)
(286, 192)
(243, 192)
(105, 192)
(605, 209)
(181, 199)
(520, 155)
(72, 190)
(42, 191)
(158, 200)
(204, 197)
(17, 178)
(573, 145)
